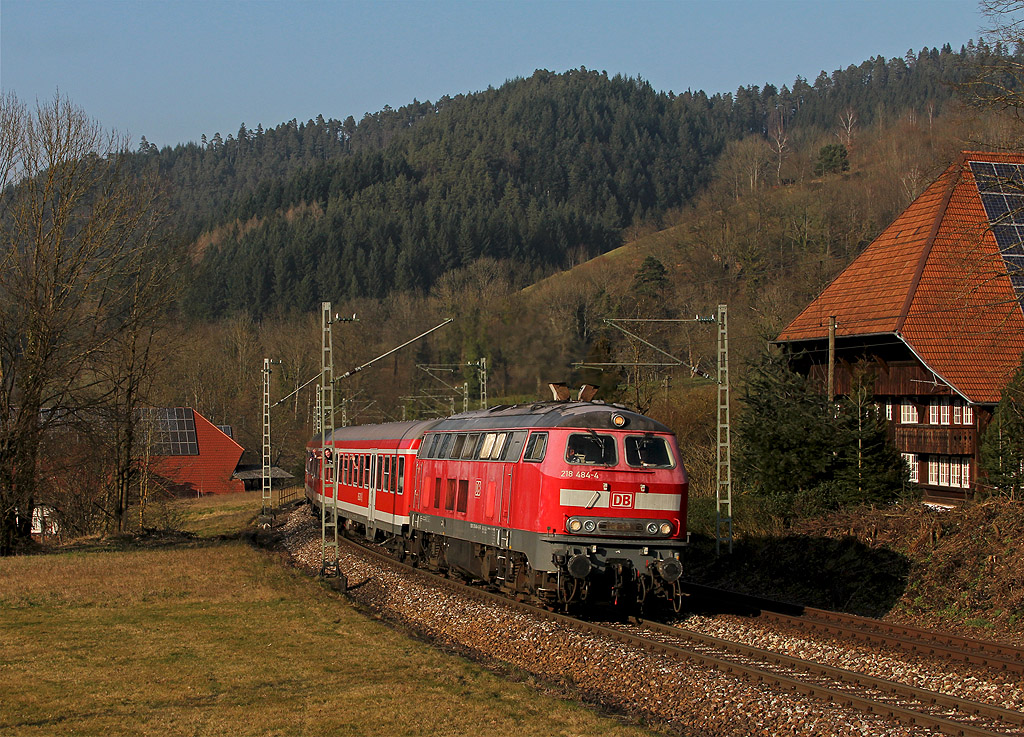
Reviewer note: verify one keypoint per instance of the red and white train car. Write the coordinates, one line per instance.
(559, 501)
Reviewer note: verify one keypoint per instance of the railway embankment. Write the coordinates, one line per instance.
(959, 569)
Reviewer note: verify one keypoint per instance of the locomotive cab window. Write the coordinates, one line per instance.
(648, 452)
(536, 446)
(591, 449)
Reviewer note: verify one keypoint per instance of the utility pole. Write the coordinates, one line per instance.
(831, 357)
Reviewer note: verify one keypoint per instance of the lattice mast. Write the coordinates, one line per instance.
(267, 502)
(328, 506)
(723, 489)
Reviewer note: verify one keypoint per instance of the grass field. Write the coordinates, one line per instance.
(217, 638)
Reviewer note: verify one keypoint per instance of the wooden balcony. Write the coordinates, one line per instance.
(935, 439)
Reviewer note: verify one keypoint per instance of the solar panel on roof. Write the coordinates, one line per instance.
(171, 431)
(1001, 188)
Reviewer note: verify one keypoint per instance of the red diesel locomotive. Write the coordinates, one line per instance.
(561, 502)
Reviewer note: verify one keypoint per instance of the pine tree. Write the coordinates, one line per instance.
(1002, 447)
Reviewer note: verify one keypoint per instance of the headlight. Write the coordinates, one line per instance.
(589, 525)
(575, 525)
(666, 528)
(652, 528)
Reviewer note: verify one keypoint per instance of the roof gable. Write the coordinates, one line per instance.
(936, 279)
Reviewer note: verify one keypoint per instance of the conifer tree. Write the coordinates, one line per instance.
(1002, 447)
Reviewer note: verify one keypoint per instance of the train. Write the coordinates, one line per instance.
(563, 503)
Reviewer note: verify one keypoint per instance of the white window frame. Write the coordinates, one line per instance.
(944, 412)
(914, 465)
(965, 473)
(933, 470)
(943, 470)
(888, 411)
(933, 412)
(908, 413)
(958, 413)
(968, 414)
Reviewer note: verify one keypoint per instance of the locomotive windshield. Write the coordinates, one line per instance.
(648, 452)
(591, 450)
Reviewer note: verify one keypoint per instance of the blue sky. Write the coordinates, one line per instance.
(174, 70)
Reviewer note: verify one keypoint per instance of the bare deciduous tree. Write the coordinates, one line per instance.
(76, 249)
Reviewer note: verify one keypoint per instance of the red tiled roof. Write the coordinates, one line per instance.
(210, 471)
(934, 278)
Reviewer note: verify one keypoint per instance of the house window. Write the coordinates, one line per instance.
(933, 412)
(888, 411)
(908, 413)
(913, 465)
(944, 412)
(968, 414)
(950, 471)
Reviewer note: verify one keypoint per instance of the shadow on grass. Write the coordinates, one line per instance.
(840, 574)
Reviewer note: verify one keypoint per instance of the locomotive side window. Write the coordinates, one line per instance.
(499, 444)
(648, 452)
(460, 440)
(446, 445)
(401, 474)
(536, 446)
(514, 446)
(469, 450)
(428, 449)
(591, 449)
(485, 447)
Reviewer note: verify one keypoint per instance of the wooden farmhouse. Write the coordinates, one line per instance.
(931, 312)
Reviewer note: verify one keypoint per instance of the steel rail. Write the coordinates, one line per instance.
(854, 678)
(934, 643)
(906, 715)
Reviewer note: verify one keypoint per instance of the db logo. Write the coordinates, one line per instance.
(620, 499)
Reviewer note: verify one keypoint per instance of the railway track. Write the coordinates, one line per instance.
(933, 643)
(913, 706)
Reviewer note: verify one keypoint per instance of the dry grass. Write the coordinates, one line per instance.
(225, 514)
(220, 639)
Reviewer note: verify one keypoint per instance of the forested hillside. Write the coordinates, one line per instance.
(542, 172)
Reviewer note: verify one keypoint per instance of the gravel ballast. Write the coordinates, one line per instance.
(655, 689)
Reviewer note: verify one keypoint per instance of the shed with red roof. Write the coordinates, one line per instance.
(189, 454)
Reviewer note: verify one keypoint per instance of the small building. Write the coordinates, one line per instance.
(252, 477)
(931, 313)
(189, 455)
